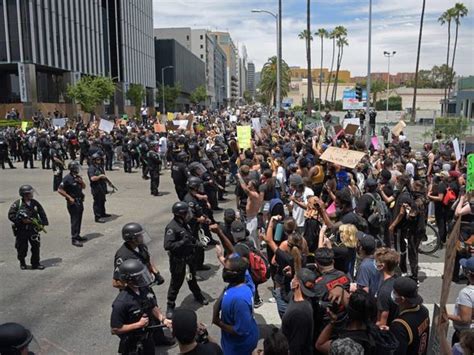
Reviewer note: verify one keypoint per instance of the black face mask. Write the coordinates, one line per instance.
(231, 277)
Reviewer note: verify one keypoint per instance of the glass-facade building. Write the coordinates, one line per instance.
(46, 44)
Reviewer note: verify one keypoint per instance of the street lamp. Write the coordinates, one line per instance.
(369, 61)
(163, 84)
(388, 55)
(275, 16)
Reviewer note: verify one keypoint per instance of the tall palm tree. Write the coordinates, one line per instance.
(415, 86)
(459, 11)
(446, 18)
(308, 37)
(341, 41)
(321, 33)
(332, 35)
(268, 81)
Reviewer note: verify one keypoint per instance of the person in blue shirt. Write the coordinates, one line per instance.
(233, 311)
(368, 277)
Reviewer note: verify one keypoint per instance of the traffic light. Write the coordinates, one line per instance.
(358, 92)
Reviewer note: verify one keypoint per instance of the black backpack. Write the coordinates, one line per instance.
(378, 211)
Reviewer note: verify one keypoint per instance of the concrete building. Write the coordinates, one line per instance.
(396, 79)
(189, 71)
(463, 97)
(299, 89)
(243, 71)
(251, 79)
(45, 45)
(426, 99)
(302, 73)
(220, 75)
(232, 60)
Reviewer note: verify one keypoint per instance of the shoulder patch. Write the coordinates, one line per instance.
(169, 232)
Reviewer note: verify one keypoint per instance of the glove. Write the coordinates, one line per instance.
(159, 280)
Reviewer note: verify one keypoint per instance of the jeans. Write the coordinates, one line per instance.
(280, 302)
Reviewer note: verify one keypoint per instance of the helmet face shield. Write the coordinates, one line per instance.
(142, 278)
(143, 237)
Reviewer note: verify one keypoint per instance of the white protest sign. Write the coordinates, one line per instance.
(182, 124)
(59, 122)
(457, 150)
(353, 121)
(233, 118)
(106, 126)
(256, 124)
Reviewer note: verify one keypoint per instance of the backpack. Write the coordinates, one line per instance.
(379, 211)
(259, 267)
(449, 197)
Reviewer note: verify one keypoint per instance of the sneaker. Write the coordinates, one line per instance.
(82, 239)
(77, 243)
(99, 220)
(23, 266)
(38, 267)
(202, 300)
(258, 303)
(169, 312)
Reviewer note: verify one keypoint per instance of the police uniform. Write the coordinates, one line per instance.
(44, 147)
(128, 308)
(179, 174)
(26, 232)
(74, 189)
(154, 163)
(58, 168)
(127, 156)
(181, 246)
(98, 189)
(4, 153)
(109, 152)
(84, 146)
(125, 253)
(27, 150)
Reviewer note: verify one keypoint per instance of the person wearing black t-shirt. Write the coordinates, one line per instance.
(386, 260)
(436, 194)
(192, 338)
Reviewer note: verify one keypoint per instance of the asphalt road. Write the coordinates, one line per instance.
(67, 306)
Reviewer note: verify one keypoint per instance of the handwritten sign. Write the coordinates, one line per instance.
(375, 142)
(434, 346)
(256, 124)
(343, 157)
(398, 128)
(470, 173)
(24, 125)
(457, 149)
(351, 121)
(59, 122)
(244, 136)
(351, 129)
(159, 128)
(170, 116)
(106, 126)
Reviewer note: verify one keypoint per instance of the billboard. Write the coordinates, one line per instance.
(350, 102)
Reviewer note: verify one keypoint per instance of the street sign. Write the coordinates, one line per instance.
(350, 101)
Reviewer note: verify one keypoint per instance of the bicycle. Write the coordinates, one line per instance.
(431, 242)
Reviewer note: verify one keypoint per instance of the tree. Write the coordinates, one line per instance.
(171, 95)
(136, 94)
(420, 35)
(332, 36)
(268, 82)
(459, 11)
(198, 95)
(341, 41)
(308, 37)
(321, 33)
(248, 97)
(91, 91)
(446, 18)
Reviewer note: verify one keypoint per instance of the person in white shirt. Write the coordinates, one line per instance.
(163, 150)
(298, 200)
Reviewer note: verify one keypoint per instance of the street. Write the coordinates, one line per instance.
(67, 306)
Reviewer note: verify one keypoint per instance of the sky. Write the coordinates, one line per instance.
(395, 28)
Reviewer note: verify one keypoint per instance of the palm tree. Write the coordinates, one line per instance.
(321, 33)
(446, 18)
(268, 82)
(308, 37)
(341, 41)
(413, 107)
(459, 11)
(332, 35)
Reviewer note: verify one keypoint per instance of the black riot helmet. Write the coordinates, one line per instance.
(135, 273)
(14, 338)
(194, 183)
(180, 208)
(25, 189)
(131, 231)
(74, 167)
(96, 156)
(182, 156)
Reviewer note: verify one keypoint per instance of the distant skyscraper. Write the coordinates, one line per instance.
(251, 78)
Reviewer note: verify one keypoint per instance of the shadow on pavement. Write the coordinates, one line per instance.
(190, 303)
(92, 236)
(206, 275)
(51, 262)
(113, 217)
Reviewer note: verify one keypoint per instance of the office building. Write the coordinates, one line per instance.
(251, 79)
(187, 70)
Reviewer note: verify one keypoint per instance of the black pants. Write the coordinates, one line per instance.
(410, 247)
(82, 157)
(27, 157)
(109, 158)
(372, 129)
(57, 179)
(99, 205)
(45, 159)
(154, 181)
(5, 158)
(138, 346)
(181, 191)
(178, 274)
(440, 216)
(127, 163)
(212, 196)
(311, 233)
(145, 169)
(75, 213)
(21, 245)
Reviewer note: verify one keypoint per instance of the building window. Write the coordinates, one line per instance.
(201, 37)
(187, 38)
(202, 56)
(202, 46)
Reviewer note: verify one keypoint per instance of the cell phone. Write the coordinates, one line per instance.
(278, 232)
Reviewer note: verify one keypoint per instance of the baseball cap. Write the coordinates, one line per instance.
(229, 213)
(295, 179)
(468, 264)
(370, 182)
(408, 288)
(443, 173)
(306, 279)
(366, 241)
(184, 325)
(324, 256)
(454, 174)
(238, 230)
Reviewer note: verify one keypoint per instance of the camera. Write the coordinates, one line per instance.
(202, 337)
(333, 307)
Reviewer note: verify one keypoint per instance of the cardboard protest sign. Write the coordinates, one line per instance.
(375, 142)
(351, 129)
(244, 136)
(398, 128)
(170, 116)
(106, 126)
(457, 149)
(434, 346)
(24, 125)
(159, 128)
(352, 121)
(59, 122)
(449, 259)
(337, 128)
(470, 173)
(344, 157)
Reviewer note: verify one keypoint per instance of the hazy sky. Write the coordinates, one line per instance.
(395, 28)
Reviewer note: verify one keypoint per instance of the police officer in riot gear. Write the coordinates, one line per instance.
(135, 312)
(134, 247)
(84, 146)
(143, 148)
(108, 145)
(98, 182)
(127, 155)
(4, 157)
(153, 161)
(181, 245)
(15, 339)
(71, 189)
(179, 174)
(44, 147)
(28, 218)
(58, 164)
